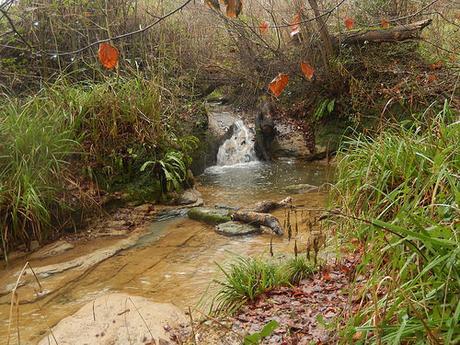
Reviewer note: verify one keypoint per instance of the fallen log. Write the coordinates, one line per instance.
(258, 219)
(392, 34)
(268, 206)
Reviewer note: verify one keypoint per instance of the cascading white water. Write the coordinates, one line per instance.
(239, 148)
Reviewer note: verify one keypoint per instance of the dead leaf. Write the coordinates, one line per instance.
(234, 8)
(295, 25)
(432, 78)
(357, 336)
(326, 276)
(384, 23)
(263, 27)
(213, 4)
(349, 23)
(307, 70)
(436, 65)
(278, 84)
(108, 55)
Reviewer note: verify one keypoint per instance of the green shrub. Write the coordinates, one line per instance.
(401, 191)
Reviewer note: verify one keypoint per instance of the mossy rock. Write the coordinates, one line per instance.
(209, 215)
(330, 132)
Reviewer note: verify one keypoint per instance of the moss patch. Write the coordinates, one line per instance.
(209, 215)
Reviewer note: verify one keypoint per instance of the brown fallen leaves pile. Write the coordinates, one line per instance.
(310, 313)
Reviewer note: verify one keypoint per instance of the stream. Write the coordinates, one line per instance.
(170, 261)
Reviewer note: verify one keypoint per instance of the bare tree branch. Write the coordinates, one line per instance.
(13, 27)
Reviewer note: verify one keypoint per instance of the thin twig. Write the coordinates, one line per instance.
(191, 325)
(143, 320)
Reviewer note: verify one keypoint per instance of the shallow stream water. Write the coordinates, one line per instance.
(174, 260)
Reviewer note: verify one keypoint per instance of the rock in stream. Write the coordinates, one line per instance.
(118, 319)
(209, 215)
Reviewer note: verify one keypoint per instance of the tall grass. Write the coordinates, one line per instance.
(34, 146)
(115, 127)
(402, 193)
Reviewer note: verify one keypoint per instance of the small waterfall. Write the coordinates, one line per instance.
(239, 148)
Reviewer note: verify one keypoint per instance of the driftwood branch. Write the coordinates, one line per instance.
(393, 34)
(258, 219)
(258, 215)
(268, 206)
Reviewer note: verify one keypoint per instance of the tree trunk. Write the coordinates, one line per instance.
(394, 34)
(322, 28)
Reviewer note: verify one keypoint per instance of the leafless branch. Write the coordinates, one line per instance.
(13, 27)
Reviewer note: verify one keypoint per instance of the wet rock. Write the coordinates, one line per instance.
(189, 196)
(117, 319)
(301, 188)
(209, 215)
(290, 142)
(221, 119)
(86, 261)
(236, 229)
(52, 249)
(169, 214)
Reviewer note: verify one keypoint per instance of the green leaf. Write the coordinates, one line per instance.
(269, 328)
(330, 106)
(252, 339)
(146, 164)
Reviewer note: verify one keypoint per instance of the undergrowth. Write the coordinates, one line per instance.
(400, 193)
(112, 134)
(248, 278)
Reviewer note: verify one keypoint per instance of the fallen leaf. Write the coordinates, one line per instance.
(213, 4)
(278, 84)
(357, 336)
(295, 25)
(108, 55)
(326, 276)
(349, 23)
(263, 27)
(234, 8)
(431, 78)
(307, 70)
(436, 65)
(384, 23)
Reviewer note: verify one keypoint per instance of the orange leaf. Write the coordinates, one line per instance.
(432, 78)
(436, 65)
(384, 23)
(295, 25)
(326, 276)
(357, 336)
(263, 27)
(234, 8)
(307, 70)
(349, 23)
(278, 84)
(108, 55)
